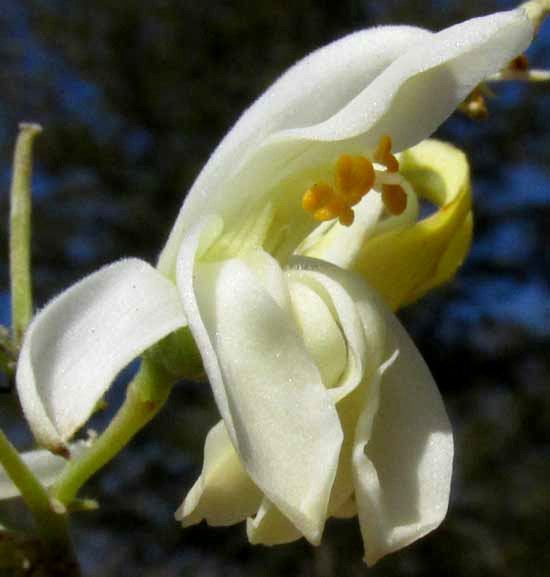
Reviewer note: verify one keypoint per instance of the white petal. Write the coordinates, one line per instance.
(408, 99)
(419, 90)
(78, 343)
(319, 331)
(43, 464)
(357, 314)
(356, 307)
(224, 493)
(310, 92)
(268, 390)
(271, 527)
(347, 510)
(403, 455)
(338, 244)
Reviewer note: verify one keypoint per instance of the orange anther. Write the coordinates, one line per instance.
(475, 106)
(383, 154)
(323, 214)
(337, 204)
(394, 198)
(316, 196)
(344, 172)
(392, 164)
(346, 217)
(519, 63)
(354, 177)
(384, 148)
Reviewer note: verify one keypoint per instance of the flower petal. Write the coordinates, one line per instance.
(402, 460)
(268, 390)
(408, 98)
(270, 527)
(78, 343)
(43, 464)
(312, 91)
(224, 493)
(419, 90)
(320, 332)
(404, 264)
(339, 244)
(356, 309)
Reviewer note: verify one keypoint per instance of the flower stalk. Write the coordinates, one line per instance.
(20, 232)
(50, 519)
(146, 395)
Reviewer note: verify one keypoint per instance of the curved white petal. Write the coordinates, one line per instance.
(338, 244)
(406, 97)
(271, 527)
(402, 460)
(312, 91)
(408, 101)
(224, 493)
(320, 331)
(356, 308)
(43, 464)
(76, 345)
(268, 390)
(419, 90)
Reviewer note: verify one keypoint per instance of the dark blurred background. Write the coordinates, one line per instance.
(133, 96)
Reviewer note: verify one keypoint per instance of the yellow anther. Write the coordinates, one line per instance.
(346, 217)
(475, 106)
(383, 154)
(354, 177)
(519, 63)
(394, 198)
(316, 196)
(322, 202)
(392, 164)
(384, 148)
(324, 214)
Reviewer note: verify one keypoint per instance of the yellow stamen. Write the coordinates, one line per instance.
(383, 154)
(519, 63)
(316, 196)
(346, 217)
(475, 106)
(394, 198)
(354, 177)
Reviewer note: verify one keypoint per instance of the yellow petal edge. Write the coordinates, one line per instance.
(405, 263)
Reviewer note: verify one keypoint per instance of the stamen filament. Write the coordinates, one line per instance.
(385, 177)
(532, 75)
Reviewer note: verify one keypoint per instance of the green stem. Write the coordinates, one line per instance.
(20, 232)
(51, 523)
(145, 396)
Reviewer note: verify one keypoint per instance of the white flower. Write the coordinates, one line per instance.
(327, 406)
(258, 316)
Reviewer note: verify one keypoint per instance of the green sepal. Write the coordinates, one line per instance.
(177, 355)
